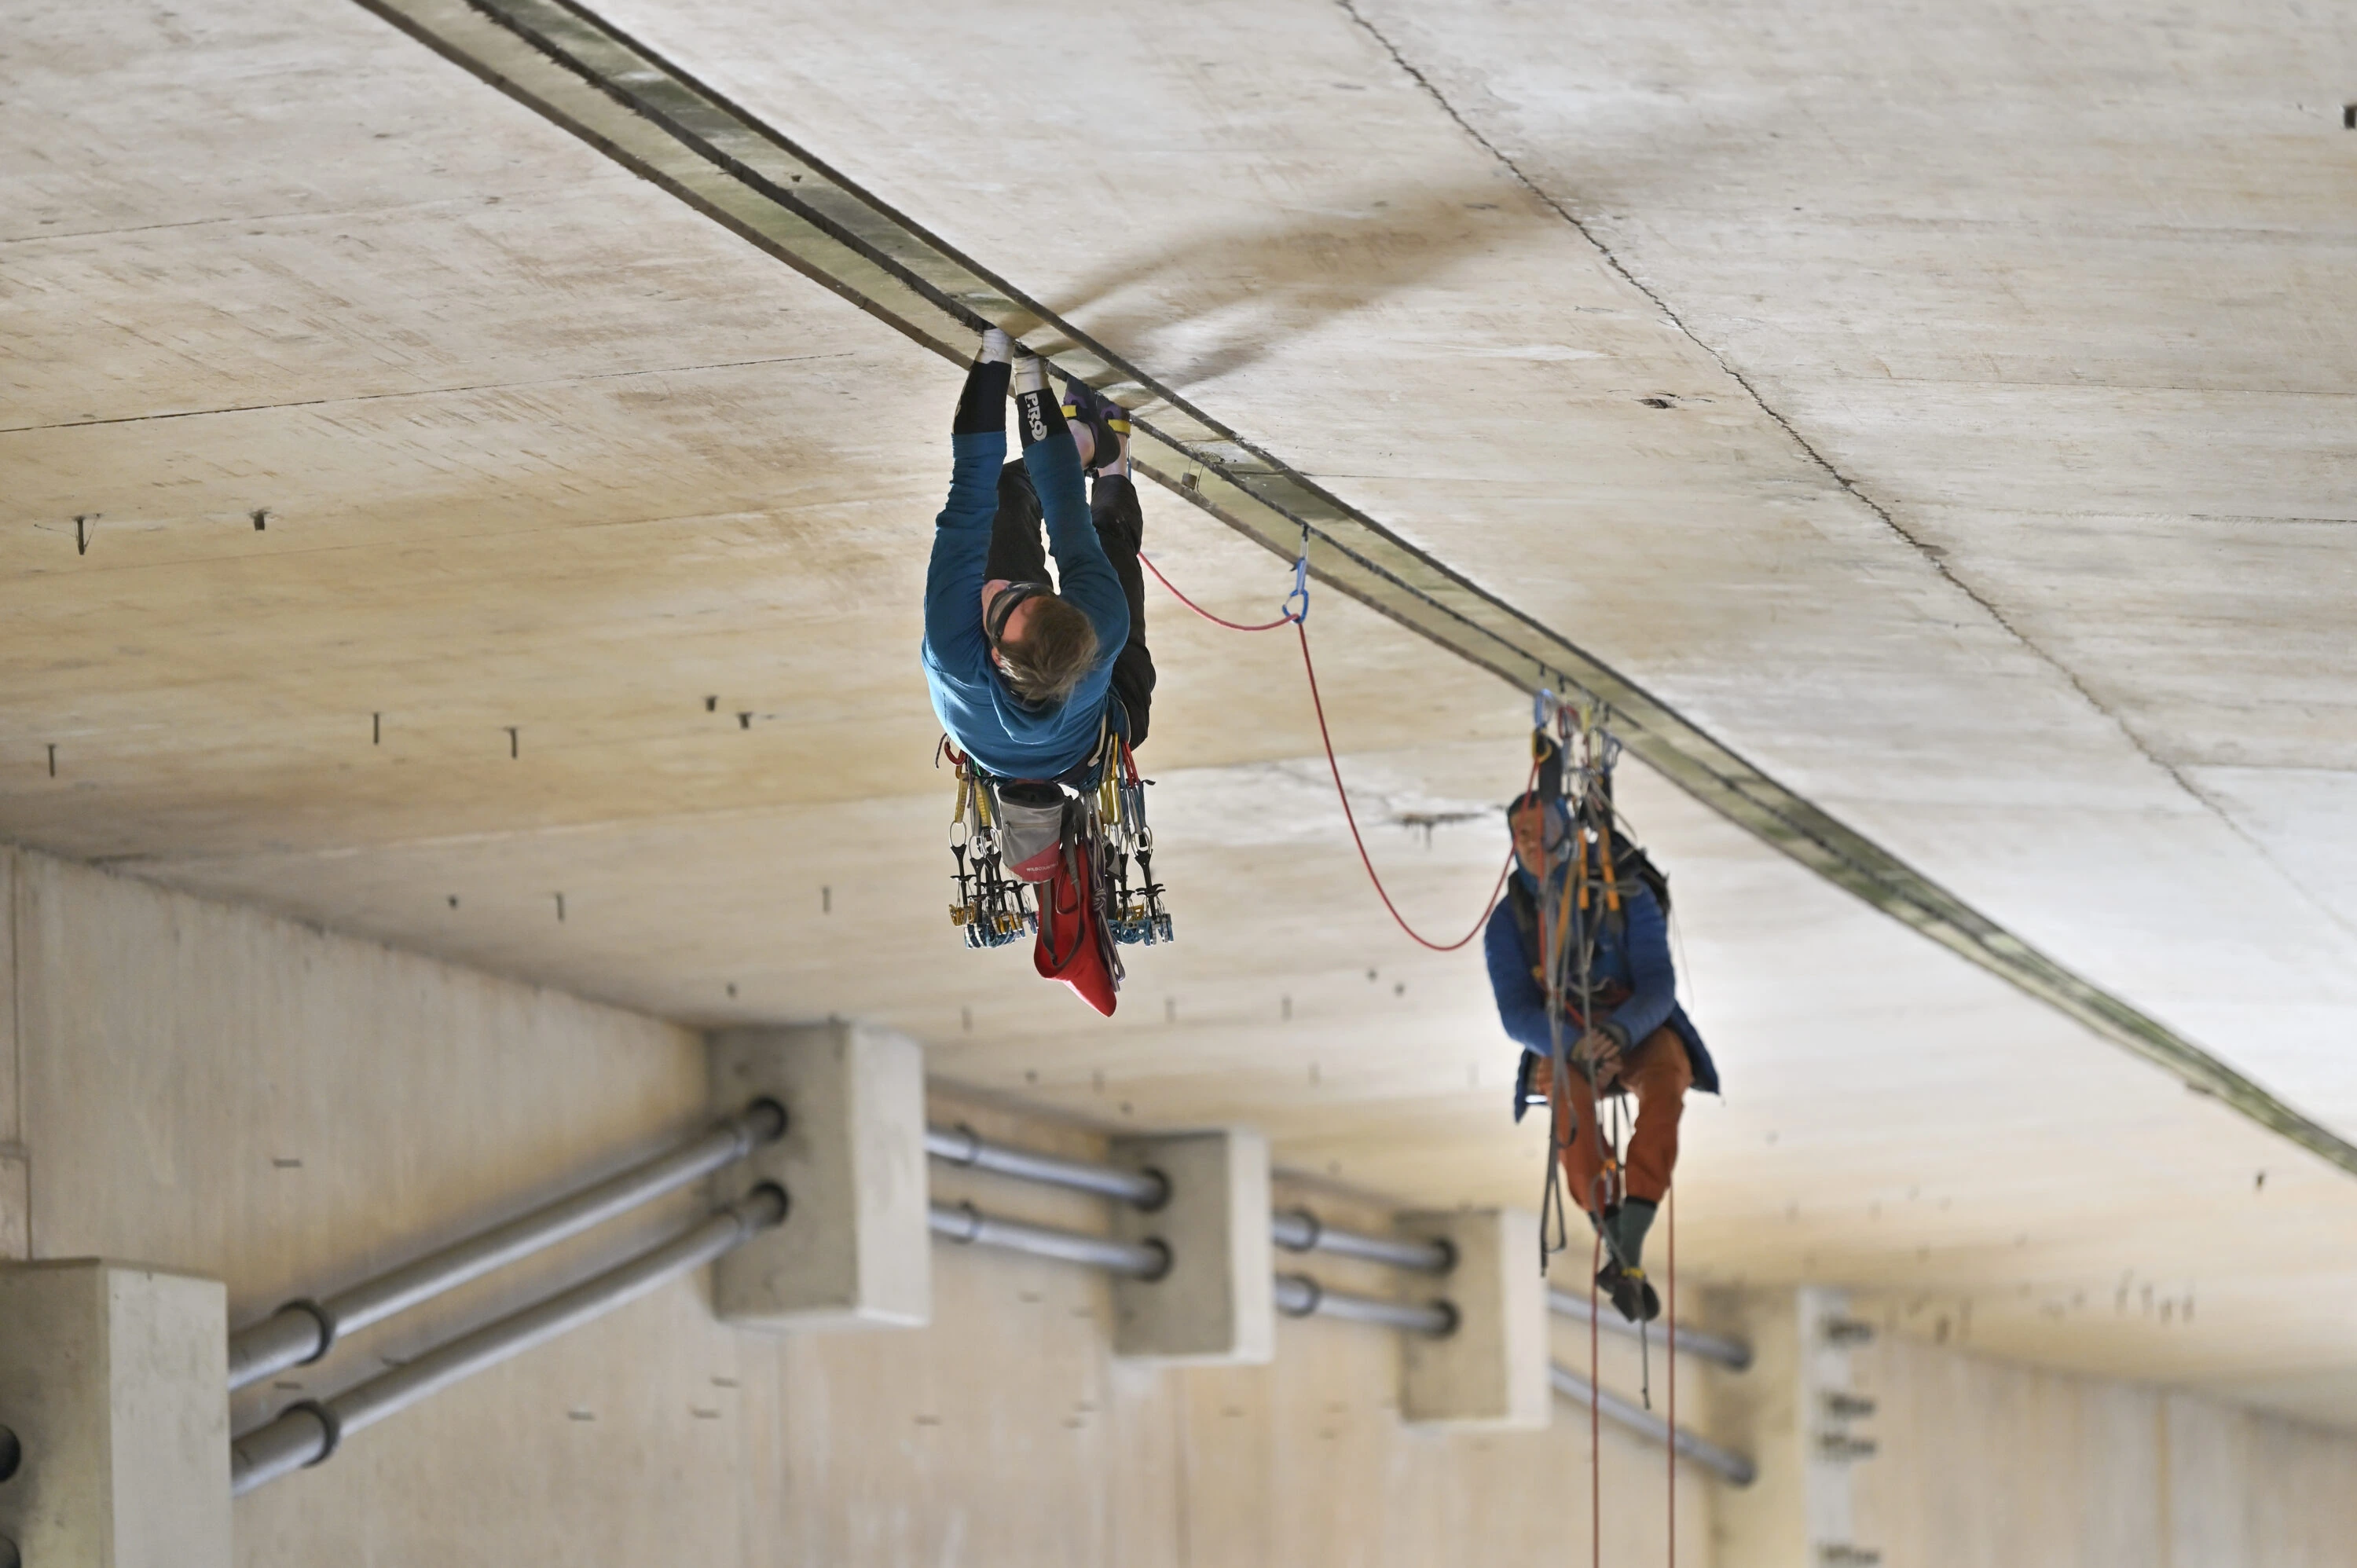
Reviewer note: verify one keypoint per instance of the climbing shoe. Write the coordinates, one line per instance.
(1108, 424)
(1632, 1295)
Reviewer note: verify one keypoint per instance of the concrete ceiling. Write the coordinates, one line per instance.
(2000, 504)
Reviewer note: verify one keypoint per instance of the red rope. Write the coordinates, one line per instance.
(1671, 1198)
(1327, 739)
(1217, 620)
(1595, 1421)
(1350, 817)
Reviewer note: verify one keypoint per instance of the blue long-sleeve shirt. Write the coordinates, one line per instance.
(1633, 954)
(1005, 735)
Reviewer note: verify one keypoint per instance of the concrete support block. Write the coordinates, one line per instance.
(1216, 1306)
(1493, 1371)
(1796, 1410)
(114, 1384)
(855, 1250)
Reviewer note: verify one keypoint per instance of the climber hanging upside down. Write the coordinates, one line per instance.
(1044, 688)
(1021, 669)
(1635, 1040)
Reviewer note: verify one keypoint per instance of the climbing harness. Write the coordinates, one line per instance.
(1296, 615)
(1082, 840)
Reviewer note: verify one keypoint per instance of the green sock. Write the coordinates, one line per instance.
(1629, 1228)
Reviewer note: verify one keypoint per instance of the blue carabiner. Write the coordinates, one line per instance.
(1300, 585)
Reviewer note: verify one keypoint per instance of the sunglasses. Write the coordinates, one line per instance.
(1003, 606)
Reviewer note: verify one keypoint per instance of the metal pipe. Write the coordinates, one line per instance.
(1298, 1230)
(1734, 1467)
(962, 1145)
(1716, 1347)
(1296, 1294)
(1148, 1260)
(302, 1331)
(1299, 1295)
(308, 1432)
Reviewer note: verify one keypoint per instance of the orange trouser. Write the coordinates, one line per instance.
(1657, 1073)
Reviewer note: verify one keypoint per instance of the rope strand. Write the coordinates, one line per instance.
(1300, 623)
(1350, 817)
(1216, 620)
(1595, 1416)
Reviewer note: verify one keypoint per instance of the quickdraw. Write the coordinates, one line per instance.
(992, 907)
(1134, 913)
(1103, 828)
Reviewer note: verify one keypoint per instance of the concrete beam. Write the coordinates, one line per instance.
(1493, 1371)
(1796, 1414)
(114, 1386)
(855, 1248)
(1217, 1304)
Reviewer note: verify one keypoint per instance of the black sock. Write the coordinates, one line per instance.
(981, 407)
(1629, 1235)
(1038, 416)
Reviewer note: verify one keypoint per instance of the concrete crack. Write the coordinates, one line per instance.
(1819, 459)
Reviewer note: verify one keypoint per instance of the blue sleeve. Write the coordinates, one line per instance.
(1083, 577)
(1522, 1005)
(1652, 979)
(953, 639)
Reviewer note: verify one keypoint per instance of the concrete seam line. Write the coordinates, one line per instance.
(561, 61)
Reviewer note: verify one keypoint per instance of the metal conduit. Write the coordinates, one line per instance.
(963, 1222)
(1716, 1348)
(308, 1432)
(1299, 1295)
(303, 1331)
(962, 1145)
(1296, 1230)
(1730, 1464)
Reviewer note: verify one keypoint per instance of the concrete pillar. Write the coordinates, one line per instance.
(1216, 1305)
(1796, 1412)
(855, 1250)
(115, 1385)
(1493, 1371)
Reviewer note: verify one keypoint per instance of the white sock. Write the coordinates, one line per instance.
(1030, 374)
(998, 347)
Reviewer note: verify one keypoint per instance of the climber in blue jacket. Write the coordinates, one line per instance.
(1021, 669)
(1633, 1037)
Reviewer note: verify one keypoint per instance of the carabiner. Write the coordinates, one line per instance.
(1300, 584)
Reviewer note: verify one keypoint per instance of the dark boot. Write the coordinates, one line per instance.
(1632, 1295)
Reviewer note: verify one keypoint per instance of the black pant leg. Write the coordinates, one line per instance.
(1121, 529)
(982, 403)
(1018, 549)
